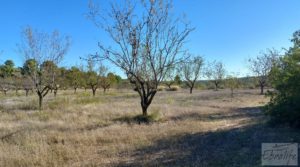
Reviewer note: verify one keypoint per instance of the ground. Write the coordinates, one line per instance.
(206, 128)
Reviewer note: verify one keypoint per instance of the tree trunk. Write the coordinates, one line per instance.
(75, 90)
(27, 91)
(55, 92)
(94, 92)
(261, 89)
(231, 93)
(104, 90)
(5, 92)
(144, 109)
(216, 86)
(40, 102)
(191, 89)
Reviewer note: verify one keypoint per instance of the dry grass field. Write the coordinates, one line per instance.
(207, 128)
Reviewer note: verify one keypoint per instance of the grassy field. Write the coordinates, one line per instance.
(207, 128)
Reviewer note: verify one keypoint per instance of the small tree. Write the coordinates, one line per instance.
(105, 79)
(92, 78)
(75, 78)
(232, 82)
(147, 43)
(262, 65)
(177, 80)
(191, 71)
(8, 69)
(169, 79)
(216, 72)
(39, 48)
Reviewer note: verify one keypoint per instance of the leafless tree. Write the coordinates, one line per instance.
(39, 47)
(191, 71)
(147, 42)
(6, 84)
(27, 85)
(170, 77)
(216, 72)
(262, 65)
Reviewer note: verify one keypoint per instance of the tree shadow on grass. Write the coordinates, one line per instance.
(227, 147)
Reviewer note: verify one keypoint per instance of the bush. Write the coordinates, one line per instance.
(161, 88)
(284, 106)
(173, 88)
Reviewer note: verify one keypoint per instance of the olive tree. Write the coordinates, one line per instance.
(146, 42)
(37, 48)
(191, 71)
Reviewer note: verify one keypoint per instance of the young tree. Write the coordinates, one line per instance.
(104, 81)
(75, 78)
(147, 42)
(232, 82)
(169, 78)
(92, 78)
(216, 72)
(37, 49)
(262, 65)
(27, 85)
(191, 71)
(8, 69)
(6, 84)
(177, 80)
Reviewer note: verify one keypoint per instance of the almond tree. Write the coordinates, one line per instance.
(191, 70)
(75, 77)
(261, 66)
(147, 42)
(216, 72)
(37, 48)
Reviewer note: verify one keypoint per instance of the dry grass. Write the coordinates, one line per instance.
(206, 128)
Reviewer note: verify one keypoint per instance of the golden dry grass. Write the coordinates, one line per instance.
(207, 128)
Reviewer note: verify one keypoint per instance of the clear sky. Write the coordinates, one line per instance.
(227, 30)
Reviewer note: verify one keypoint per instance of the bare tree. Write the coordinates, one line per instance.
(191, 70)
(147, 42)
(6, 84)
(27, 85)
(170, 77)
(262, 65)
(38, 48)
(216, 72)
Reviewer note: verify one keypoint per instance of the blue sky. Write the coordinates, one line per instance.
(230, 31)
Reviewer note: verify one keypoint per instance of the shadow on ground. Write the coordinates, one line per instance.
(247, 112)
(228, 147)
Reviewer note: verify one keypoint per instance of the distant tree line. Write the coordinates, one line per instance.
(14, 78)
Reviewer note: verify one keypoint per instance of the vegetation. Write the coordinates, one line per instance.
(191, 71)
(193, 119)
(216, 72)
(284, 106)
(147, 43)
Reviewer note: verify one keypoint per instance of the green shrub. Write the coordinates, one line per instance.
(284, 106)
